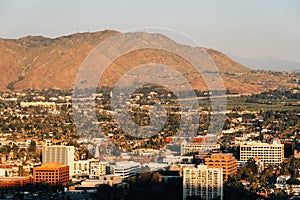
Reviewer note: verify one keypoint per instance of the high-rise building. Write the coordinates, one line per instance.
(225, 161)
(203, 182)
(198, 147)
(52, 173)
(59, 153)
(125, 169)
(269, 153)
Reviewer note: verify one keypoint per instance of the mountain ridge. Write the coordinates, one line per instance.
(37, 62)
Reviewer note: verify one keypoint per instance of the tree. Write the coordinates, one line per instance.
(5, 128)
(293, 181)
(251, 165)
(32, 146)
(281, 195)
(70, 183)
(156, 177)
(15, 148)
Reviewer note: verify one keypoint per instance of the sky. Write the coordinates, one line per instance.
(244, 28)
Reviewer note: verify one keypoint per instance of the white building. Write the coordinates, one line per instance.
(92, 167)
(97, 168)
(195, 147)
(125, 169)
(82, 167)
(59, 153)
(153, 166)
(203, 182)
(171, 160)
(39, 103)
(269, 153)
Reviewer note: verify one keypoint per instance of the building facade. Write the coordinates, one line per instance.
(269, 154)
(81, 167)
(97, 168)
(225, 161)
(203, 182)
(52, 173)
(198, 147)
(59, 153)
(102, 180)
(13, 182)
(125, 169)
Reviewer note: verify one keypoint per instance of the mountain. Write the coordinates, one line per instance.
(36, 62)
(269, 63)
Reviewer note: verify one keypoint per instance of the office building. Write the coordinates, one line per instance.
(52, 173)
(203, 182)
(125, 169)
(269, 153)
(225, 161)
(59, 153)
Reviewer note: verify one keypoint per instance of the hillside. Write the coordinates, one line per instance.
(36, 62)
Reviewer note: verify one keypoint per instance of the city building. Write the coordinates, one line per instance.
(34, 104)
(171, 159)
(81, 167)
(59, 153)
(6, 171)
(103, 180)
(198, 147)
(154, 166)
(13, 182)
(125, 169)
(97, 168)
(269, 153)
(52, 173)
(225, 161)
(203, 182)
(179, 168)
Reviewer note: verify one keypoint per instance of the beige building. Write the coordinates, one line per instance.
(103, 180)
(203, 182)
(225, 161)
(97, 168)
(269, 153)
(39, 103)
(81, 167)
(198, 147)
(179, 168)
(59, 153)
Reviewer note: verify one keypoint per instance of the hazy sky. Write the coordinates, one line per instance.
(239, 27)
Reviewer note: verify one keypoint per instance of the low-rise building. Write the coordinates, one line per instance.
(97, 168)
(125, 169)
(103, 180)
(198, 147)
(81, 167)
(13, 182)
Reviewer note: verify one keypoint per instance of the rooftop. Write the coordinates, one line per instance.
(50, 165)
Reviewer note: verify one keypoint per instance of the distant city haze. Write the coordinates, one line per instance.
(242, 29)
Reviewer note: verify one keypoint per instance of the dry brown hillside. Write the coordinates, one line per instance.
(36, 62)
